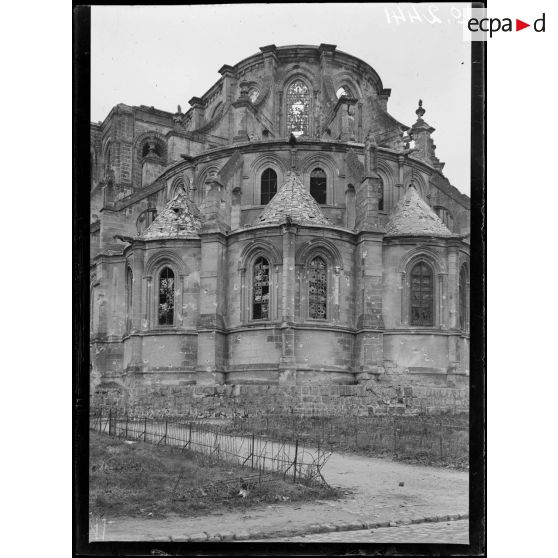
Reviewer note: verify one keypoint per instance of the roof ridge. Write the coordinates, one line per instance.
(180, 218)
(294, 202)
(413, 216)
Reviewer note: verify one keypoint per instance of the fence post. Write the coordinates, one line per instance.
(441, 440)
(126, 433)
(110, 422)
(253, 436)
(166, 429)
(100, 419)
(145, 429)
(295, 460)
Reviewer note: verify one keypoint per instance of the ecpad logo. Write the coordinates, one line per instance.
(483, 25)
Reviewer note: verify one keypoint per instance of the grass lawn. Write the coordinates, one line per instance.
(140, 479)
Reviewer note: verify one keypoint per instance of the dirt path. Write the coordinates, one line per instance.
(374, 494)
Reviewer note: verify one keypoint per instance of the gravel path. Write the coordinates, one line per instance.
(373, 494)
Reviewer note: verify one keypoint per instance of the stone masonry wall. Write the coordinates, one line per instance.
(250, 400)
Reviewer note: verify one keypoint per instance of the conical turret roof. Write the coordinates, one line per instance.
(294, 202)
(413, 216)
(180, 219)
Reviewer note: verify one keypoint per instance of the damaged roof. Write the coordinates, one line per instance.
(180, 219)
(293, 201)
(413, 216)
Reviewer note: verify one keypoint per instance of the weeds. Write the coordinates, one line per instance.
(143, 480)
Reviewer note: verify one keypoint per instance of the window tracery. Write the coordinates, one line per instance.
(422, 295)
(298, 108)
(166, 297)
(317, 289)
(260, 290)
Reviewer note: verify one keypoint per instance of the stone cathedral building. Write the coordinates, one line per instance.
(285, 229)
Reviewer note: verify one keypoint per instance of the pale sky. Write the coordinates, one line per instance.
(162, 56)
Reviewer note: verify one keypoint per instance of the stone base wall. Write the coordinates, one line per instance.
(372, 397)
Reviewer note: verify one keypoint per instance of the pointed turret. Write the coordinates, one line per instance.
(180, 219)
(414, 217)
(294, 204)
(421, 133)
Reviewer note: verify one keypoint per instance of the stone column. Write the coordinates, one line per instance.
(99, 348)
(269, 53)
(211, 326)
(287, 363)
(211, 367)
(198, 111)
(229, 81)
(236, 207)
(369, 270)
(329, 99)
(136, 358)
(452, 302)
(399, 189)
(367, 192)
(368, 306)
(242, 109)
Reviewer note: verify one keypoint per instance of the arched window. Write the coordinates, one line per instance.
(253, 94)
(422, 295)
(381, 196)
(318, 185)
(145, 219)
(463, 297)
(445, 215)
(268, 186)
(317, 289)
(166, 297)
(129, 297)
(260, 290)
(343, 91)
(152, 148)
(298, 109)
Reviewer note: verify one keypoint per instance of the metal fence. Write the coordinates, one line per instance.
(287, 458)
(430, 438)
